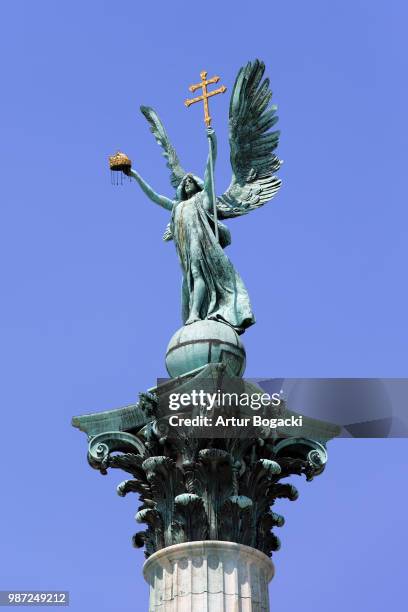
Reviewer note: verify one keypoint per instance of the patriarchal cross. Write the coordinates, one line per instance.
(205, 95)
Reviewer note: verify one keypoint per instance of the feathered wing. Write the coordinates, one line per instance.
(169, 152)
(252, 145)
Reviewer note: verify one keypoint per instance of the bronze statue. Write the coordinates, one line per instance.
(212, 289)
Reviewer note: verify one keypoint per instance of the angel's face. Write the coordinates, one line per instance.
(190, 186)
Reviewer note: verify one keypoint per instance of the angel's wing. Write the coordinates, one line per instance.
(252, 146)
(157, 128)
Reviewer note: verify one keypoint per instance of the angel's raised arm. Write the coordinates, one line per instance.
(154, 197)
(210, 162)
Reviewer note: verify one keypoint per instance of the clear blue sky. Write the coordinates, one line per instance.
(90, 294)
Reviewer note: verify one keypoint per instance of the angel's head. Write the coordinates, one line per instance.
(189, 186)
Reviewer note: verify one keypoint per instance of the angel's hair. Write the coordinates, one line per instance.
(197, 186)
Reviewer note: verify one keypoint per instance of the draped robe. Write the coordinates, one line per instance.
(226, 298)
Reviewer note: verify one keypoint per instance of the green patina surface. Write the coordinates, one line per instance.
(212, 288)
(198, 488)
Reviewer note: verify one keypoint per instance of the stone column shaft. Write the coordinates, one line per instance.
(208, 576)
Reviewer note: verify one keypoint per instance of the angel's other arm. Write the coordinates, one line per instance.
(208, 171)
(154, 197)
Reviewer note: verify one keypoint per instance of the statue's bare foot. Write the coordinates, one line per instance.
(192, 319)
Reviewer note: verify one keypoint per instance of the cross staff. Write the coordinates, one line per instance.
(207, 119)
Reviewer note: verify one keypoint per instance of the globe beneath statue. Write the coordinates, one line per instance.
(203, 342)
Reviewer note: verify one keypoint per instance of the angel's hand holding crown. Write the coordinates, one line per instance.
(127, 170)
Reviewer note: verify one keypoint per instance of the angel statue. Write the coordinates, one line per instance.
(211, 288)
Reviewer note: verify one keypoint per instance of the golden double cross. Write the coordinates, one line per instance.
(205, 95)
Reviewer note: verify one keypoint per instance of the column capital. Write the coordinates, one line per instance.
(198, 488)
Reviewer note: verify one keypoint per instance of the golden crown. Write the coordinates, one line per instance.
(119, 162)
